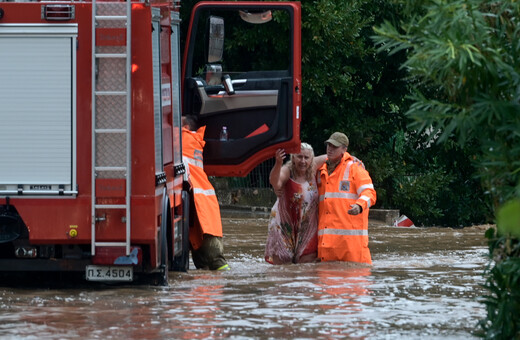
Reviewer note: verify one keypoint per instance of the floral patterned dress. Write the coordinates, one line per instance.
(293, 225)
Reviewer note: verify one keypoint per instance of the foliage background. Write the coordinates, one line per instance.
(464, 57)
(366, 94)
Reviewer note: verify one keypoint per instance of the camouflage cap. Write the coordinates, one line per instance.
(338, 139)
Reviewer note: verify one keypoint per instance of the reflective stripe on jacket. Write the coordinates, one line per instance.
(344, 237)
(206, 203)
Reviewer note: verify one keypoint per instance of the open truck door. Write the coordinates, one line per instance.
(245, 75)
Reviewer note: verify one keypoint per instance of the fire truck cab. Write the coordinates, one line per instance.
(91, 99)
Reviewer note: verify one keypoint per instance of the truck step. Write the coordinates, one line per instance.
(110, 130)
(110, 244)
(110, 55)
(110, 93)
(110, 206)
(110, 168)
(111, 17)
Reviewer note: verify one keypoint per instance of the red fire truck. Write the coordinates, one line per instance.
(91, 98)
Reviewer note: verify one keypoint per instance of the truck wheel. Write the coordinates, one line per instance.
(164, 258)
(161, 278)
(181, 262)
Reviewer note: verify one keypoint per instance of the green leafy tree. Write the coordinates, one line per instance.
(467, 51)
(349, 87)
(464, 57)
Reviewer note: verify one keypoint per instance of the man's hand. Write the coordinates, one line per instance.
(355, 209)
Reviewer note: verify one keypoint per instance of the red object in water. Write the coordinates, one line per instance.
(403, 221)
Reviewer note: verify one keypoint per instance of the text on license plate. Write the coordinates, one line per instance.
(109, 273)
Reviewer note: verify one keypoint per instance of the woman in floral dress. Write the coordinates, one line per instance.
(293, 226)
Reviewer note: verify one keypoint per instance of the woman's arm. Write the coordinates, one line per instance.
(279, 173)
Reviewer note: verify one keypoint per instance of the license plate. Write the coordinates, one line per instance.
(109, 273)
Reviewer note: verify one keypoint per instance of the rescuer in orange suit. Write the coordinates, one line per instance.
(207, 249)
(345, 193)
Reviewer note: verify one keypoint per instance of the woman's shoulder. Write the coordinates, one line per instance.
(285, 171)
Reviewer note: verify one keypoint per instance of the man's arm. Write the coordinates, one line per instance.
(320, 160)
(365, 190)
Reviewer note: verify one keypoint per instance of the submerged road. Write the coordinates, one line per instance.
(425, 283)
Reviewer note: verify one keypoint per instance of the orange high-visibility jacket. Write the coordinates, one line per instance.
(206, 205)
(344, 237)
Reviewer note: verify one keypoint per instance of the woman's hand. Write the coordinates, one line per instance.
(279, 156)
(279, 173)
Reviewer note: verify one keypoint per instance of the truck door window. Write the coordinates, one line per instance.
(248, 45)
(241, 71)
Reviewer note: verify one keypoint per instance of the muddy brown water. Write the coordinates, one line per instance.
(425, 283)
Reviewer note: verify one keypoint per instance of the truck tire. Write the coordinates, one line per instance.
(181, 262)
(161, 277)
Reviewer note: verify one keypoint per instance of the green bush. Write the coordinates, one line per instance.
(463, 54)
(503, 286)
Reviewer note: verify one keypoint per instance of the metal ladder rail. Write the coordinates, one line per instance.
(127, 131)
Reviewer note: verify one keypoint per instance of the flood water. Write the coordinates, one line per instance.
(425, 283)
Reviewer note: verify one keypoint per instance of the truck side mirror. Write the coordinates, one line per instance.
(215, 39)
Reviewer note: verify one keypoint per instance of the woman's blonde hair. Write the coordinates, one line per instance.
(311, 170)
